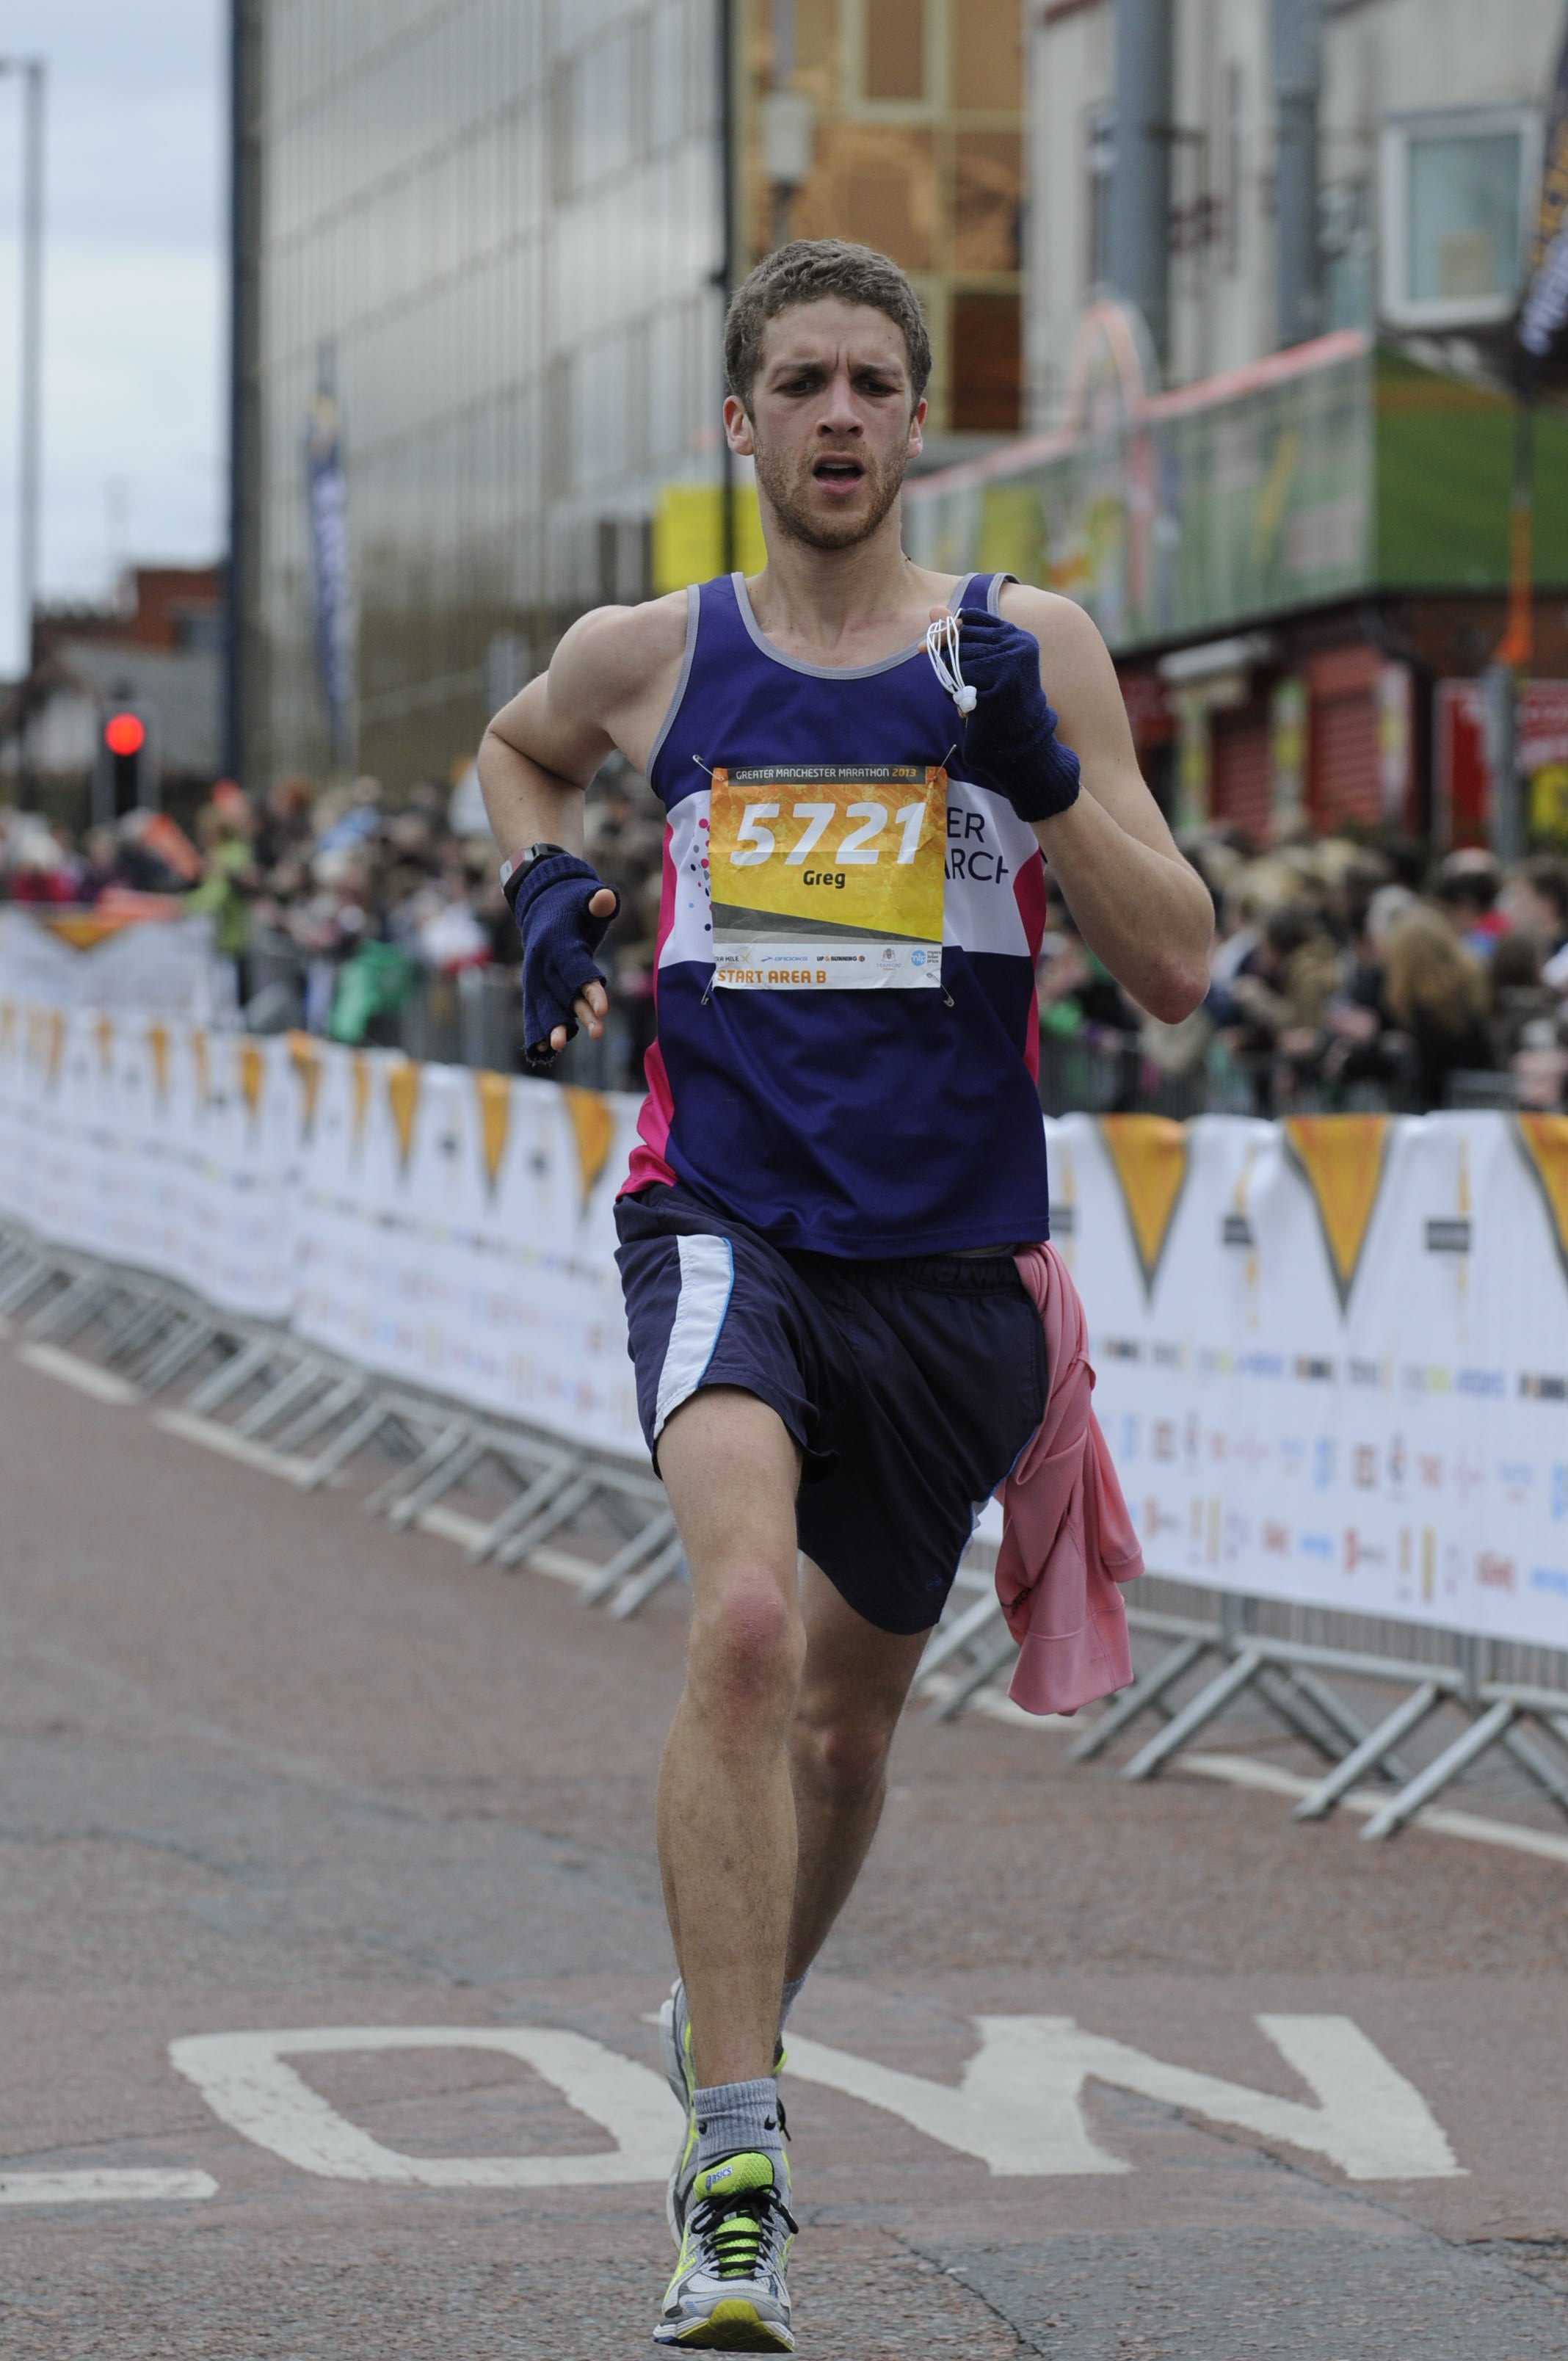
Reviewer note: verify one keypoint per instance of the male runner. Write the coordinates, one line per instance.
(840, 1147)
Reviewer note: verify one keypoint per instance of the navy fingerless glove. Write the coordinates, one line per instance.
(1009, 739)
(559, 939)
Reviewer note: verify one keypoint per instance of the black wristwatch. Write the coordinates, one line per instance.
(514, 871)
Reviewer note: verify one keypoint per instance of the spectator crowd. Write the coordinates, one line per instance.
(1344, 974)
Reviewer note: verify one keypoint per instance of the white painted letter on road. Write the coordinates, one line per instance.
(1018, 2106)
(244, 2080)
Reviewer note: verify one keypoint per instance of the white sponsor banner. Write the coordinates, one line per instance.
(458, 1230)
(1332, 1354)
(77, 959)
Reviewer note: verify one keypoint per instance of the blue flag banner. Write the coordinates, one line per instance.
(327, 497)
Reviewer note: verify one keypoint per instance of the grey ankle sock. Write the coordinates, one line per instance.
(735, 2115)
(791, 1994)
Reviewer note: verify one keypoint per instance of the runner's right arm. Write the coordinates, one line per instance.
(607, 688)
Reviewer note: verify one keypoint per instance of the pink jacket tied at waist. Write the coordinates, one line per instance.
(1067, 1538)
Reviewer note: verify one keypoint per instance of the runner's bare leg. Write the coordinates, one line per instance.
(726, 1825)
(851, 1694)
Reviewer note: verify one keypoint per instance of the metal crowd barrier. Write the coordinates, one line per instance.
(515, 1497)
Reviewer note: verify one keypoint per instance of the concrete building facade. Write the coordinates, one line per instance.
(481, 262)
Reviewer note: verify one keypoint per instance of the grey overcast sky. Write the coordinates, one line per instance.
(134, 289)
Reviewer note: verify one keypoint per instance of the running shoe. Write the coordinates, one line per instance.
(675, 2054)
(728, 2293)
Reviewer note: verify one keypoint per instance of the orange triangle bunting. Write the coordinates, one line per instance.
(402, 1097)
(361, 1071)
(1544, 1139)
(306, 1060)
(1148, 1155)
(1340, 1157)
(495, 1121)
(592, 1127)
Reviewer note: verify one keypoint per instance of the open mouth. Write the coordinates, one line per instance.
(840, 475)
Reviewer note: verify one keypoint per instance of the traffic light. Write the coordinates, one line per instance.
(127, 775)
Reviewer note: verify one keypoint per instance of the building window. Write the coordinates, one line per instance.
(988, 200)
(986, 366)
(896, 49)
(1099, 164)
(988, 55)
(1455, 193)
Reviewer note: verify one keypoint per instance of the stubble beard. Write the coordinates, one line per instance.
(788, 500)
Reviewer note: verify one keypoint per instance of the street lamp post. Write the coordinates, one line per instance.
(31, 71)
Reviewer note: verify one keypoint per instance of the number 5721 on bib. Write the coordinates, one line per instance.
(828, 876)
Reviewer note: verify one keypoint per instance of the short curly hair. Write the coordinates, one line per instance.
(818, 270)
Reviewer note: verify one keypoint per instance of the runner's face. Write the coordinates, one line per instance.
(832, 425)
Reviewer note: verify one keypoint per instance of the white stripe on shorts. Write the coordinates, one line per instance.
(707, 1274)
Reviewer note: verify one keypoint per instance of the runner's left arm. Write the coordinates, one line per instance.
(1139, 906)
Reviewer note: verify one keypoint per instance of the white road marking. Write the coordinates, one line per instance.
(52, 1361)
(230, 1445)
(1018, 2105)
(1242, 1771)
(104, 2188)
(244, 2080)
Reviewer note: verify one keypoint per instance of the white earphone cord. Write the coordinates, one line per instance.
(942, 647)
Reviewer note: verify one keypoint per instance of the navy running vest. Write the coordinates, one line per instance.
(861, 1123)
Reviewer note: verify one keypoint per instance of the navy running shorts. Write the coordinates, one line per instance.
(910, 1386)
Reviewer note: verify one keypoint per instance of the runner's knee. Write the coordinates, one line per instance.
(746, 1645)
(845, 1748)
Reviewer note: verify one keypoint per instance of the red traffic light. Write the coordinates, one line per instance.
(124, 734)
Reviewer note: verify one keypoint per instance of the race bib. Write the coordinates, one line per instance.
(828, 876)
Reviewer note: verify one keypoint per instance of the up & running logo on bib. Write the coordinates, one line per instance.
(828, 876)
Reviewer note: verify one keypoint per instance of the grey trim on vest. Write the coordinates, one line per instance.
(994, 596)
(821, 672)
(689, 653)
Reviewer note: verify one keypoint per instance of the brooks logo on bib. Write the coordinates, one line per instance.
(828, 876)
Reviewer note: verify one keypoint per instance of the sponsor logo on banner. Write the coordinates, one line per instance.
(1448, 1236)
(1494, 1572)
(1533, 1388)
(1277, 1539)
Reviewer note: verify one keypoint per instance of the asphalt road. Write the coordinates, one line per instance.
(1233, 2088)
